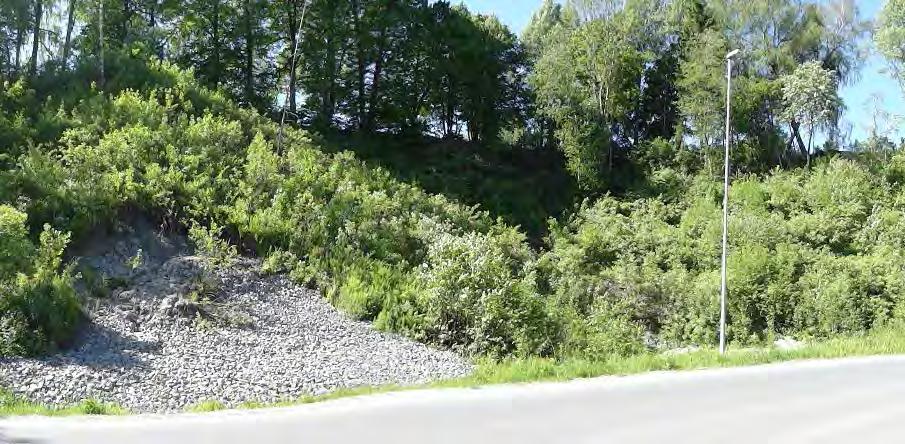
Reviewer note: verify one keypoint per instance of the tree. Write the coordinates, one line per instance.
(587, 84)
(544, 23)
(249, 22)
(70, 23)
(200, 38)
(701, 86)
(810, 97)
(290, 15)
(35, 36)
(840, 47)
(890, 36)
(100, 41)
(323, 52)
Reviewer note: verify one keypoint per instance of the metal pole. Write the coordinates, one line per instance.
(725, 206)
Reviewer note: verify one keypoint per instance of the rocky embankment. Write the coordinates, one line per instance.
(178, 332)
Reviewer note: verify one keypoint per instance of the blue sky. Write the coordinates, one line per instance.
(871, 81)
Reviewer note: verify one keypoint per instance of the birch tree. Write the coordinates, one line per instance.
(810, 98)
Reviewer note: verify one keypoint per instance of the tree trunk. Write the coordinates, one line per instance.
(4, 59)
(606, 126)
(36, 38)
(294, 29)
(796, 136)
(810, 146)
(329, 95)
(249, 53)
(450, 111)
(215, 35)
(101, 39)
(375, 91)
(20, 36)
(361, 86)
(152, 23)
(127, 19)
(360, 60)
(70, 22)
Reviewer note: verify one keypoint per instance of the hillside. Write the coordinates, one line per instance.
(446, 274)
(556, 204)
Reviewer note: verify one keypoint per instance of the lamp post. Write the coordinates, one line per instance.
(729, 58)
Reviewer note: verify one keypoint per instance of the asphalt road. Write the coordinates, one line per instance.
(846, 401)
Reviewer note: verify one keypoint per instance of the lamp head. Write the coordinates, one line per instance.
(732, 54)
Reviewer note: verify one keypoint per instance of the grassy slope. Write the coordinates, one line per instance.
(888, 341)
(494, 177)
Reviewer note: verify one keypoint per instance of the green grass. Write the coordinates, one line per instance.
(885, 341)
(206, 406)
(11, 405)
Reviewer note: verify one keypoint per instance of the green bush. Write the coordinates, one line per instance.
(39, 311)
(607, 330)
(480, 290)
(814, 253)
(15, 248)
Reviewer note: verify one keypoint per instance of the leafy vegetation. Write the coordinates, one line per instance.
(13, 405)
(813, 256)
(39, 307)
(550, 197)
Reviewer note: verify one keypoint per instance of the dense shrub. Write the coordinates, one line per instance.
(813, 253)
(15, 248)
(383, 250)
(480, 289)
(38, 307)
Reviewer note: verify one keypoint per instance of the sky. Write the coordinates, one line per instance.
(873, 81)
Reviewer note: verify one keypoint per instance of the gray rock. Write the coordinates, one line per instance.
(787, 343)
(299, 345)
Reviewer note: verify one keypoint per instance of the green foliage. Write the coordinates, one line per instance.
(472, 174)
(206, 406)
(586, 82)
(811, 255)
(814, 253)
(810, 96)
(480, 290)
(279, 262)
(890, 34)
(209, 244)
(11, 404)
(15, 248)
(39, 311)
(702, 86)
(383, 250)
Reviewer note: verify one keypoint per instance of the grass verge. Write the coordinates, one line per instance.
(885, 341)
(11, 405)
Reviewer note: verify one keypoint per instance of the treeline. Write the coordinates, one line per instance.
(374, 65)
(647, 80)
(620, 88)
(614, 85)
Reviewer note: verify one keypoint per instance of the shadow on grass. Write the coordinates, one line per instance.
(495, 178)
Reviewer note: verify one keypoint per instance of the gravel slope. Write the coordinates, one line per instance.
(145, 349)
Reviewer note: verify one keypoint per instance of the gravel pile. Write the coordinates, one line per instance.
(156, 348)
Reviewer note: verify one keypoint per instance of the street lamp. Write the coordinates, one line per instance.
(729, 58)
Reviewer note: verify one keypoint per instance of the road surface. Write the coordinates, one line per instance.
(846, 401)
